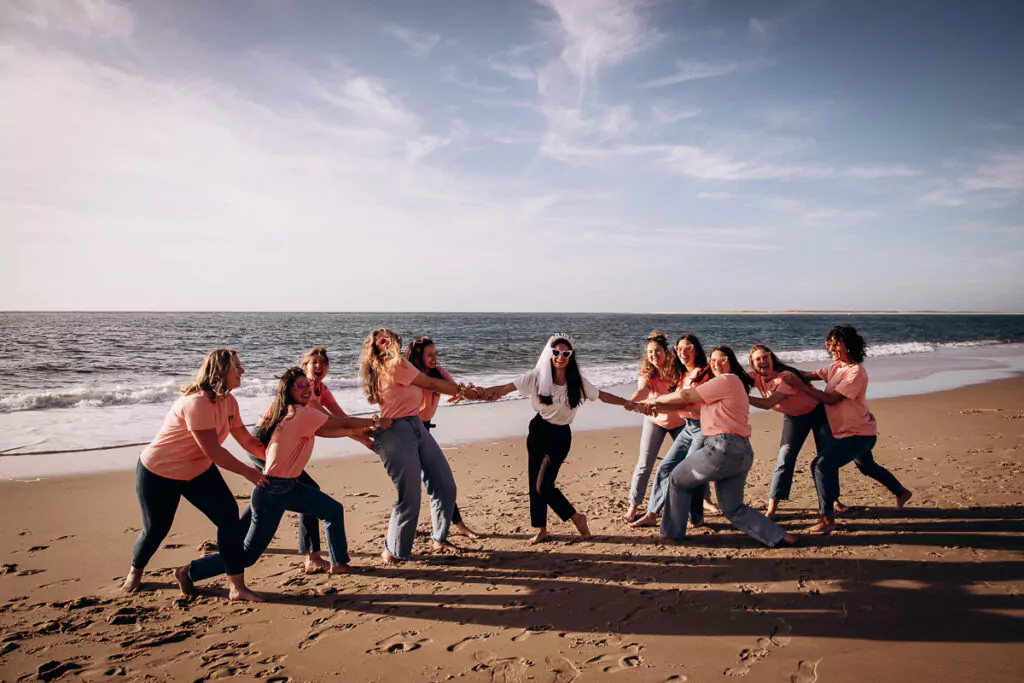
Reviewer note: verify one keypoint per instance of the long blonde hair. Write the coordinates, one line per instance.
(212, 375)
(374, 363)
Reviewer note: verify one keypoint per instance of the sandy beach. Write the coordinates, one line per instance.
(927, 592)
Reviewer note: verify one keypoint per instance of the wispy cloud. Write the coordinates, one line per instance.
(692, 71)
(514, 62)
(664, 113)
(86, 18)
(451, 75)
(996, 181)
(419, 44)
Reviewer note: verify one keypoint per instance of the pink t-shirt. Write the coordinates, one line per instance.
(849, 417)
(795, 402)
(175, 453)
(291, 444)
(693, 414)
(399, 397)
(428, 406)
(726, 407)
(324, 397)
(659, 387)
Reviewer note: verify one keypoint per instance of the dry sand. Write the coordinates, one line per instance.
(925, 593)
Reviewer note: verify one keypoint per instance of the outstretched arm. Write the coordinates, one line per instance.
(351, 426)
(767, 403)
(678, 399)
(614, 400)
(250, 443)
(497, 391)
(829, 398)
(221, 457)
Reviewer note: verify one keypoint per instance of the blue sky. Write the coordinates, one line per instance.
(550, 155)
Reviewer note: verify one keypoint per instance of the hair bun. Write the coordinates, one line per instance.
(657, 335)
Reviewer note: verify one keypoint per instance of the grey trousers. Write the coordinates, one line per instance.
(724, 459)
(410, 453)
(651, 438)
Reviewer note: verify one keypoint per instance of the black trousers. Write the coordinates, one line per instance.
(309, 525)
(209, 493)
(547, 446)
(456, 515)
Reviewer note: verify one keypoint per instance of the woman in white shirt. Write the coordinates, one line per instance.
(556, 389)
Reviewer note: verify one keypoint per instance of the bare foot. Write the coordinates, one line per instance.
(902, 498)
(650, 519)
(826, 526)
(132, 581)
(461, 529)
(787, 541)
(630, 514)
(340, 569)
(580, 520)
(390, 559)
(446, 547)
(773, 506)
(243, 594)
(840, 508)
(711, 508)
(540, 537)
(315, 564)
(188, 589)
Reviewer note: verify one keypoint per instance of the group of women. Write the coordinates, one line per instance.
(701, 401)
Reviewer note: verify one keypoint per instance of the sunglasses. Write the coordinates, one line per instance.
(564, 354)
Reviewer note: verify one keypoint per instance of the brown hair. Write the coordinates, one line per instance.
(212, 376)
(279, 408)
(414, 354)
(314, 352)
(374, 362)
(672, 370)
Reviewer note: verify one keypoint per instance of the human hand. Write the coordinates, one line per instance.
(256, 477)
(790, 379)
(474, 393)
(629, 405)
(649, 409)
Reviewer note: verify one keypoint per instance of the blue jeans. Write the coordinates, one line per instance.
(268, 507)
(839, 453)
(651, 438)
(409, 452)
(724, 459)
(688, 441)
(309, 525)
(795, 429)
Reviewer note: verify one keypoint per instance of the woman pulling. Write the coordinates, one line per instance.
(556, 389)
(316, 365)
(853, 426)
(801, 415)
(288, 430)
(422, 353)
(183, 460)
(725, 456)
(406, 448)
(696, 371)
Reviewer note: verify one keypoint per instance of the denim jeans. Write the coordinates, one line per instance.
(409, 452)
(688, 441)
(268, 506)
(839, 453)
(309, 525)
(159, 497)
(651, 438)
(724, 459)
(795, 429)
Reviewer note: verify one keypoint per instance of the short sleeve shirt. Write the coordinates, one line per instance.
(175, 453)
(559, 412)
(849, 417)
(291, 444)
(795, 402)
(399, 397)
(726, 407)
(428, 406)
(670, 419)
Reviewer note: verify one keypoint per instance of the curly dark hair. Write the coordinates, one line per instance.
(700, 359)
(855, 344)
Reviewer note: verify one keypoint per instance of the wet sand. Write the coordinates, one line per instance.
(917, 594)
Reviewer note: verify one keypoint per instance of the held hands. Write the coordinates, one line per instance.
(256, 477)
(643, 407)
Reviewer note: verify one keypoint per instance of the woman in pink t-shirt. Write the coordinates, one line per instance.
(407, 449)
(726, 456)
(801, 415)
(422, 353)
(853, 425)
(289, 430)
(182, 461)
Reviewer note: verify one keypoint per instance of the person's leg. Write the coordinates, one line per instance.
(158, 500)
(826, 468)
(730, 481)
(456, 515)
(688, 476)
(700, 497)
(535, 451)
(794, 434)
(651, 438)
(675, 455)
(309, 525)
(398, 449)
(440, 485)
(312, 501)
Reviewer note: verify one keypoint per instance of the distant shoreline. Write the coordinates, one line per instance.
(830, 313)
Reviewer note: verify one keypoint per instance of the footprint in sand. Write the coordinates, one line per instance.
(314, 636)
(562, 670)
(52, 670)
(455, 647)
(399, 644)
(505, 670)
(806, 672)
(781, 636)
(623, 662)
(532, 631)
(37, 548)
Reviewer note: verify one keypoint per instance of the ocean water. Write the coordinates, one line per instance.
(80, 380)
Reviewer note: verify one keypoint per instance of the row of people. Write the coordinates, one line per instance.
(703, 403)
